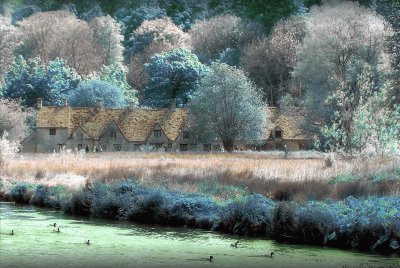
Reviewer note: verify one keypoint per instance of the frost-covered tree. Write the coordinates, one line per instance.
(162, 32)
(91, 91)
(375, 128)
(13, 118)
(174, 74)
(108, 39)
(211, 37)
(8, 150)
(151, 38)
(58, 34)
(343, 39)
(85, 46)
(9, 40)
(29, 80)
(227, 107)
(131, 19)
(270, 60)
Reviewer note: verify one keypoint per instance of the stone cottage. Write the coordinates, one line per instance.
(286, 130)
(132, 129)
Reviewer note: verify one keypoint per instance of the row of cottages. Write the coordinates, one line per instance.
(134, 129)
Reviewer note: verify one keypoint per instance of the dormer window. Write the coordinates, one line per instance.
(113, 134)
(52, 131)
(186, 134)
(278, 134)
(157, 133)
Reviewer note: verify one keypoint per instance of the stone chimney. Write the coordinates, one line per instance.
(173, 104)
(39, 103)
(65, 102)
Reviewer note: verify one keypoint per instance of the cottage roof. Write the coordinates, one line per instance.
(135, 124)
(290, 125)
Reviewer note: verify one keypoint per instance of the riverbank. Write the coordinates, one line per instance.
(368, 224)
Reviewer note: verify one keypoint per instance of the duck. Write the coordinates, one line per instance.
(270, 255)
(87, 242)
(57, 231)
(12, 232)
(211, 258)
(235, 245)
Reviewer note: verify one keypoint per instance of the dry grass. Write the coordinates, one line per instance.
(265, 173)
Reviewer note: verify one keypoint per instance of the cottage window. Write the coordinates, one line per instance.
(157, 133)
(52, 131)
(103, 148)
(136, 147)
(80, 147)
(113, 134)
(206, 147)
(186, 134)
(278, 134)
(169, 145)
(278, 146)
(61, 147)
(158, 146)
(183, 147)
(117, 147)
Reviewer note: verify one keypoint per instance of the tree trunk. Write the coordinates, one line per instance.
(228, 145)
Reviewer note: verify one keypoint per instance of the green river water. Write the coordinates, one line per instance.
(116, 244)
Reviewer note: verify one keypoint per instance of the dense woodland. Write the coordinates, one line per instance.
(335, 62)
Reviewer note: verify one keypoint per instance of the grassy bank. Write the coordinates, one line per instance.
(304, 176)
(371, 223)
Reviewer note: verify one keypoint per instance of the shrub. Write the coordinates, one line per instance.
(76, 203)
(283, 228)
(22, 192)
(392, 173)
(251, 217)
(151, 207)
(192, 210)
(48, 196)
(314, 219)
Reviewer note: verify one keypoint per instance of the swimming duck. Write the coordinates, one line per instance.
(57, 231)
(12, 232)
(87, 242)
(211, 258)
(270, 255)
(235, 245)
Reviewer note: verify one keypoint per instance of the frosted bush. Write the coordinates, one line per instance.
(8, 150)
